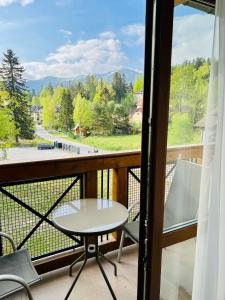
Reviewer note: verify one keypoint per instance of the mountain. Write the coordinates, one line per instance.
(37, 85)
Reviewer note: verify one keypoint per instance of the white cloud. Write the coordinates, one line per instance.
(193, 37)
(63, 2)
(25, 2)
(21, 2)
(107, 34)
(86, 56)
(65, 32)
(6, 2)
(134, 34)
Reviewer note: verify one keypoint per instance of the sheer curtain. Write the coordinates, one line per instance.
(209, 274)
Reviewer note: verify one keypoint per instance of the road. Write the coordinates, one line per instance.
(26, 154)
(40, 131)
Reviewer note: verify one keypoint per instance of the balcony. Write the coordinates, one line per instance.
(30, 191)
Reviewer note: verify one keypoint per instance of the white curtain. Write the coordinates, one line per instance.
(209, 274)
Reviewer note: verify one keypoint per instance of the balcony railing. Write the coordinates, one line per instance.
(30, 191)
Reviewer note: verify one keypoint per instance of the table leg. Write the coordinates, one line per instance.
(76, 261)
(76, 278)
(91, 250)
(106, 279)
(108, 260)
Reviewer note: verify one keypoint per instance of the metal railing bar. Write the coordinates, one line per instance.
(171, 170)
(45, 216)
(108, 180)
(102, 183)
(81, 186)
(135, 176)
(33, 211)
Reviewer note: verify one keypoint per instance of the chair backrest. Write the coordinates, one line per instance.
(183, 197)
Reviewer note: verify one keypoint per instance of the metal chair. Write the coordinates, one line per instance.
(181, 203)
(16, 271)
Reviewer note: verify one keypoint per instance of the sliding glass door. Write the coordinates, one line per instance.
(177, 66)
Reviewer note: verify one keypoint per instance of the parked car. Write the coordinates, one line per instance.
(45, 146)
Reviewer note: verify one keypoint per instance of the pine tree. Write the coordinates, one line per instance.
(11, 74)
(90, 86)
(66, 111)
(119, 86)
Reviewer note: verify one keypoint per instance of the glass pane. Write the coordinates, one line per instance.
(191, 52)
(177, 271)
(81, 71)
(192, 43)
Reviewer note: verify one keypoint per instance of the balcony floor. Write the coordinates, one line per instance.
(55, 285)
(177, 273)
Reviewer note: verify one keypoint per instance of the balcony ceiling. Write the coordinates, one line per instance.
(207, 6)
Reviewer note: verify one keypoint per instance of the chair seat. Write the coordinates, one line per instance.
(17, 263)
(132, 229)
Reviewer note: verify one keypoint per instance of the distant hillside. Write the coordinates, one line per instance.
(38, 84)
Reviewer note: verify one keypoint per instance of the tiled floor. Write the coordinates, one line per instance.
(91, 284)
(177, 271)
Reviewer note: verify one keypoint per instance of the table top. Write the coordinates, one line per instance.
(90, 216)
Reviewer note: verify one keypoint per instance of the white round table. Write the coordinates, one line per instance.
(90, 217)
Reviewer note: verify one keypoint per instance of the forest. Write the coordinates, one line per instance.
(104, 109)
(98, 107)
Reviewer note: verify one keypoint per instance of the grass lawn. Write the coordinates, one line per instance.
(31, 143)
(112, 143)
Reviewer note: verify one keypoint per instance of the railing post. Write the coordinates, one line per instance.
(120, 191)
(91, 184)
(91, 191)
(1, 246)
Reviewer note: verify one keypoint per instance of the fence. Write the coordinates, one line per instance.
(30, 191)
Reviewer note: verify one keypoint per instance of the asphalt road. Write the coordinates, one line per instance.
(25, 154)
(40, 131)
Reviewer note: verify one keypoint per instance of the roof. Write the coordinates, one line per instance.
(200, 123)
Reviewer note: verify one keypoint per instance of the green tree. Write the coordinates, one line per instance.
(198, 62)
(11, 73)
(119, 86)
(130, 88)
(90, 86)
(181, 90)
(181, 130)
(138, 84)
(82, 114)
(48, 108)
(103, 117)
(78, 88)
(50, 88)
(66, 111)
(104, 93)
(200, 92)
(35, 100)
(120, 119)
(129, 103)
(8, 130)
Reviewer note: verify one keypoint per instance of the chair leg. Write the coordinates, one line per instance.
(18, 280)
(121, 246)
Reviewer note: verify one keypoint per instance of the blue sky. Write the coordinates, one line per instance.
(66, 38)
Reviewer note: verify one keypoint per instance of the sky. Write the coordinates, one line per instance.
(66, 38)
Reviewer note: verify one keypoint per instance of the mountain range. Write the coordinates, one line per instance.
(37, 85)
